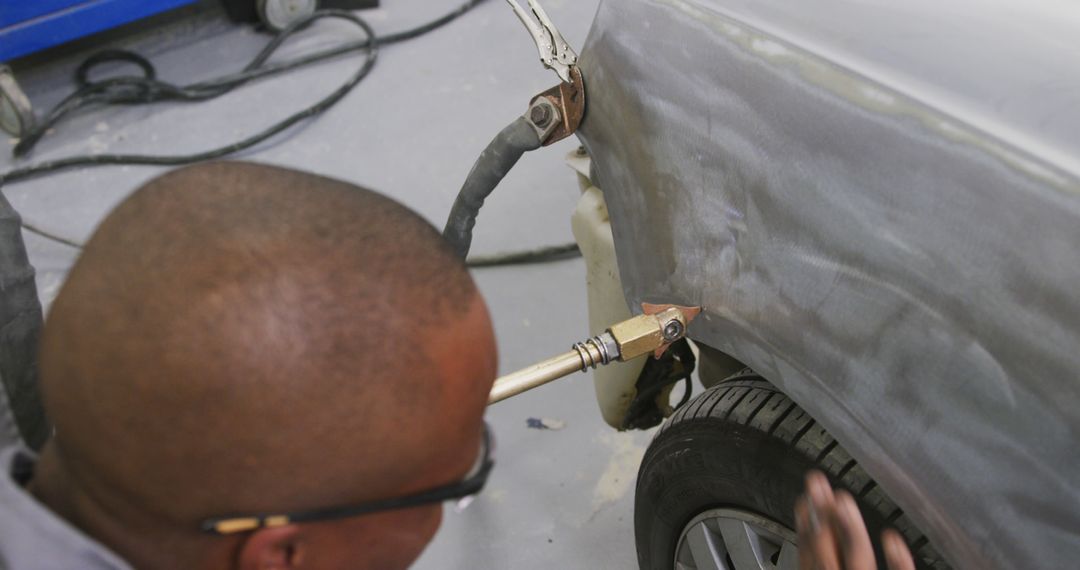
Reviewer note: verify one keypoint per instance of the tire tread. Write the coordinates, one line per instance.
(749, 400)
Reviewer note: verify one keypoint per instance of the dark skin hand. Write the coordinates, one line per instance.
(833, 536)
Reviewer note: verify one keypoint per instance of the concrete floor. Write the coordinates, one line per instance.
(412, 130)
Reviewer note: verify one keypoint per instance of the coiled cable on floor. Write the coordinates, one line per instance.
(524, 257)
(145, 89)
(148, 89)
(175, 160)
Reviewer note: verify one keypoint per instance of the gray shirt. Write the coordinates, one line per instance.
(31, 536)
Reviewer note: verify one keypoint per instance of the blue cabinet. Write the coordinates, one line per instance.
(27, 26)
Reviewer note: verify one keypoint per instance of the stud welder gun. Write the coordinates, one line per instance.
(650, 333)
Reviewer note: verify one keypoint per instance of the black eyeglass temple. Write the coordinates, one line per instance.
(470, 486)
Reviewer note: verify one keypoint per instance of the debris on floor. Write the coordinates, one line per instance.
(544, 423)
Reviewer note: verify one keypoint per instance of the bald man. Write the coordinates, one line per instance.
(253, 368)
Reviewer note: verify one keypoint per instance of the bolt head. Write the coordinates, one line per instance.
(673, 330)
(540, 115)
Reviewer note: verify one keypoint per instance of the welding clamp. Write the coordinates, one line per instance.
(556, 113)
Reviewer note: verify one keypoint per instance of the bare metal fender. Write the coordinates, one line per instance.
(878, 206)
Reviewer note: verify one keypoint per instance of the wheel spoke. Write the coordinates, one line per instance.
(742, 544)
(705, 548)
(789, 557)
(730, 539)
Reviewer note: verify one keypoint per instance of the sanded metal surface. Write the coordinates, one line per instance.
(878, 206)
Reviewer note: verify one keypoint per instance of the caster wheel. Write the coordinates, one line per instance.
(278, 14)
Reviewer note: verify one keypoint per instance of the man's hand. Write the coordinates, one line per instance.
(832, 535)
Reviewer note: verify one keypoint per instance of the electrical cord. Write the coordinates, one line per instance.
(524, 257)
(50, 236)
(175, 160)
(538, 255)
(147, 89)
(129, 90)
(674, 366)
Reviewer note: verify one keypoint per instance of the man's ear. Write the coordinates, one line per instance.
(278, 548)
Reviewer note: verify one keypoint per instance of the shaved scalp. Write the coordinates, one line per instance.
(239, 338)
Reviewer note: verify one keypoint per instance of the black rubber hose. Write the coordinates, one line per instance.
(492, 166)
(538, 255)
(134, 89)
(20, 330)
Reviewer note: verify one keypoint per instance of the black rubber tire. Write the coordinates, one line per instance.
(744, 444)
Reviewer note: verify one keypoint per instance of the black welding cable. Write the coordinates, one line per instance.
(20, 321)
(525, 257)
(34, 229)
(138, 159)
(494, 163)
(127, 90)
(489, 170)
(146, 89)
(538, 255)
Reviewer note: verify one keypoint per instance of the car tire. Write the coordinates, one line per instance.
(745, 447)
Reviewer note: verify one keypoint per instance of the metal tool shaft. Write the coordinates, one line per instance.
(641, 335)
(535, 375)
(594, 352)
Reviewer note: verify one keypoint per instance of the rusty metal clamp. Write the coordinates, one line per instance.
(569, 100)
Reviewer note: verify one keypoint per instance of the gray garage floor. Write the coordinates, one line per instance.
(412, 130)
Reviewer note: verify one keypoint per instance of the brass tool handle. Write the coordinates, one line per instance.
(535, 375)
(644, 334)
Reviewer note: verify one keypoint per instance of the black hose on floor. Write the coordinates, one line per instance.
(149, 89)
(544, 254)
(20, 330)
(527, 257)
(492, 166)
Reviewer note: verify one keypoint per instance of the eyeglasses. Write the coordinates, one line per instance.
(472, 484)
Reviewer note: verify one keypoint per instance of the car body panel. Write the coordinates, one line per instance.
(878, 207)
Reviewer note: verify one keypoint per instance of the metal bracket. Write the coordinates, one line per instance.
(569, 99)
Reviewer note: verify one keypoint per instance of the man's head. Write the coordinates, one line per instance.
(242, 339)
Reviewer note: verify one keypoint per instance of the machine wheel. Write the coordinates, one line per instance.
(278, 14)
(718, 484)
